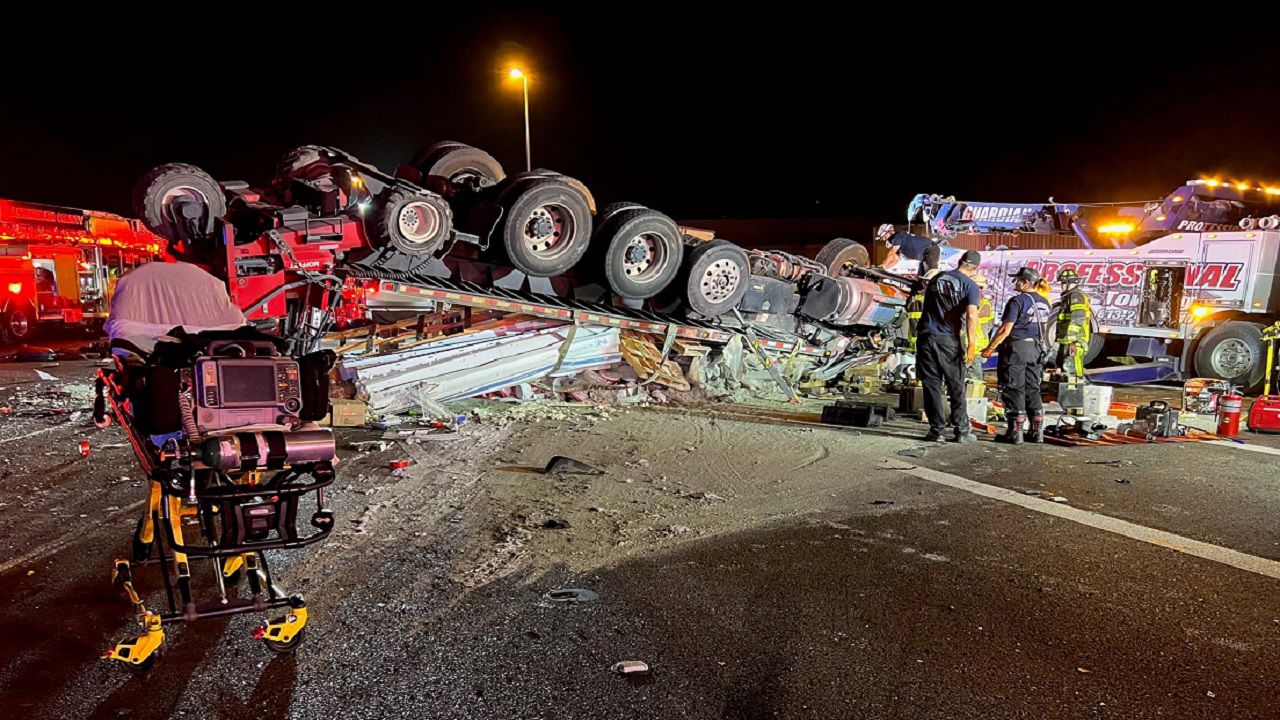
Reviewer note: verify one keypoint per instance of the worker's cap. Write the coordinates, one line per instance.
(1029, 274)
(884, 231)
(972, 257)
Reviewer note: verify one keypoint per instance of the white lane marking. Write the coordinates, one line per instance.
(50, 548)
(1216, 553)
(1244, 446)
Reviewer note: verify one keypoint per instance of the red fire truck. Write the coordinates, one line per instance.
(59, 265)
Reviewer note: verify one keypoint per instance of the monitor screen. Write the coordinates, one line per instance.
(248, 383)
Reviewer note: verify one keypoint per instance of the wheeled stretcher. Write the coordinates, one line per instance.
(223, 422)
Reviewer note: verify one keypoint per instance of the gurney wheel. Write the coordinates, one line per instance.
(143, 667)
(141, 550)
(286, 647)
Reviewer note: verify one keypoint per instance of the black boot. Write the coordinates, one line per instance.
(1012, 430)
(1035, 431)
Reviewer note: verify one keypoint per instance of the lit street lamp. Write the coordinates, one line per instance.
(523, 77)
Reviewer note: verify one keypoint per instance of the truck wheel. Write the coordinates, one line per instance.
(165, 183)
(642, 252)
(575, 182)
(547, 226)
(413, 223)
(1233, 351)
(20, 323)
(612, 209)
(308, 162)
(459, 164)
(841, 251)
(716, 277)
(1096, 343)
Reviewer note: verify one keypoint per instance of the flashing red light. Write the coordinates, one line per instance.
(15, 288)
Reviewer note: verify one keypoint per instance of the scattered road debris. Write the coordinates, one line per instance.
(572, 595)
(630, 667)
(477, 363)
(703, 495)
(45, 376)
(85, 448)
(26, 353)
(561, 465)
(1111, 463)
(398, 464)
(556, 523)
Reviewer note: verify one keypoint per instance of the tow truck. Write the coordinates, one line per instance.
(1185, 284)
(58, 265)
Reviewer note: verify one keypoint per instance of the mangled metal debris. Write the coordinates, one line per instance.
(561, 465)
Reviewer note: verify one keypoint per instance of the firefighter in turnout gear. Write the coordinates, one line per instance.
(986, 318)
(915, 308)
(1075, 316)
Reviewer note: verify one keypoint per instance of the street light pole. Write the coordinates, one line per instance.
(528, 153)
(516, 73)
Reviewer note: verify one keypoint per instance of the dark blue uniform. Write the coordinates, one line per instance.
(1020, 369)
(939, 357)
(914, 247)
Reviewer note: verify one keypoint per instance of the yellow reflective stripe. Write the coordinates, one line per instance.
(1079, 306)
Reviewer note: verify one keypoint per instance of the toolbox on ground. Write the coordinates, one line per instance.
(856, 414)
(911, 400)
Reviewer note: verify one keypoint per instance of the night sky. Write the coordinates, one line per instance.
(731, 115)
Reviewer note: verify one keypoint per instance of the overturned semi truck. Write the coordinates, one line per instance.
(317, 244)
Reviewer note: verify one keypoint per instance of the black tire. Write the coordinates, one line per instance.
(716, 274)
(281, 648)
(145, 667)
(20, 323)
(839, 251)
(575, 182)
(1233, 351)
(163, 183)
(426, 155)
(591, 267)
(604, 216)
(415, 223)
(642, 251)
(459, 164)
(1096, 343)
(307, 162)
(546, 227)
